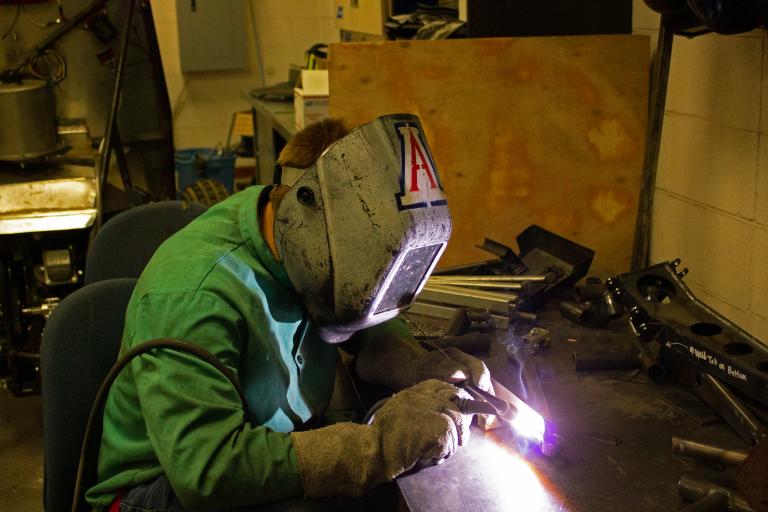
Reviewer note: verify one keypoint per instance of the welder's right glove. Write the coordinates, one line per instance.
(419, 425)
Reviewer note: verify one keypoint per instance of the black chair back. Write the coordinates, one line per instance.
(81, 342)
(124, 245)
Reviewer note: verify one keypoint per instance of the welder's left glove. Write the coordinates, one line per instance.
(391, 357)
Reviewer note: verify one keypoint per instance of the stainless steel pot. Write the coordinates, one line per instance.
(27, 120)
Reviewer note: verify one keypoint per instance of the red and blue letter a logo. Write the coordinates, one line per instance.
(420, 185)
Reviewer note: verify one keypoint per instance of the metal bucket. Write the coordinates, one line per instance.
(27, 120)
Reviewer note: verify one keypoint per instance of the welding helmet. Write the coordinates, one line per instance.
(361, 230)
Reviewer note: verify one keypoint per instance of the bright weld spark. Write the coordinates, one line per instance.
(529, 424)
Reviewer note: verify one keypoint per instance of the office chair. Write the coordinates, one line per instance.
(80, 343)
(124, 245)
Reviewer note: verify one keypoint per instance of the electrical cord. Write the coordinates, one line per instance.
(122, 362)
(48, 65)
(13, 23)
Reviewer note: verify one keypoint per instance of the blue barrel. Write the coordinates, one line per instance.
(203, 163)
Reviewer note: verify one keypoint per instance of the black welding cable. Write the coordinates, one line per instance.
(101, 395)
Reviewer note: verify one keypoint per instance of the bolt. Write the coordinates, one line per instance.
(299, 359)
(305, 195)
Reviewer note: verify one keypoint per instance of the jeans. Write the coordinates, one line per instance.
(158, 496)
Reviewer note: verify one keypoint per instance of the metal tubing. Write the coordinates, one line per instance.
(509, 297)
(478, 284)
(601, 361)
(108, 142)
(576, 312)
(730, 408)
(649, 361)
(495, 305)
(658, 98)
(692, 488)
(525, 316)
(708, 452)
(459, 323)
(446, 312)
(490, 279)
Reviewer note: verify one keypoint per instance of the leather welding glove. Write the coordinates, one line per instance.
(420, 425)
(395, 360)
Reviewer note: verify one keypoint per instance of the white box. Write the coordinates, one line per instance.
(310, 101)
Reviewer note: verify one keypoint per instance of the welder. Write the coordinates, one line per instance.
(272, 281)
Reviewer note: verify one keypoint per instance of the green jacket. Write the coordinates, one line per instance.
(215, 283)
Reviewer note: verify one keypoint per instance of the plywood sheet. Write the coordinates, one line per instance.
(536, 130)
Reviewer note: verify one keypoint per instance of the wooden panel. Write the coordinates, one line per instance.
(536, 130)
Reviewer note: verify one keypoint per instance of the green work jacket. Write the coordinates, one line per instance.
(215, 283)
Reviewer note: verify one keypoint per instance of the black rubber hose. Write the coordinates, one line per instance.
(122, 362)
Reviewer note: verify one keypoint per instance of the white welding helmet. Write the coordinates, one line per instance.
(362, 229)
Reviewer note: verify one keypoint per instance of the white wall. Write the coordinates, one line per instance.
(711, 202)
(203, 102)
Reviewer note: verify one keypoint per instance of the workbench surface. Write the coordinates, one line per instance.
(616, 429)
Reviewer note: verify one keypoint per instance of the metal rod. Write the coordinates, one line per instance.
(446, 312)
(495, 305)
(490, 279)
(706, 451)
(657, 103)
(472, 292)
(109, 134)
(731, 409)
(477, 284)
(692, 488)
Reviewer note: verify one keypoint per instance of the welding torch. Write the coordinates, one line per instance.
(483, 402)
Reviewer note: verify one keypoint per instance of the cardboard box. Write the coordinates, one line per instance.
(310, 99)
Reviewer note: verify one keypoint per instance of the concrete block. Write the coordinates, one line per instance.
(727, 264)
(764, 102)
(717, 77)
(674, 233)
(709, 163)
(643, 16)
(759, 328)
(758, 281)
(761, 200)
(739, 316)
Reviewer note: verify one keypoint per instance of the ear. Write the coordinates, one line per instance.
(276, 195)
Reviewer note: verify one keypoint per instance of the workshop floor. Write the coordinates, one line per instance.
(21, 453)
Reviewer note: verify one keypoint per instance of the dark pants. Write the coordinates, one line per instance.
(158, 496)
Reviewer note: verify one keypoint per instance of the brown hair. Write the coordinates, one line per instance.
(306, 146)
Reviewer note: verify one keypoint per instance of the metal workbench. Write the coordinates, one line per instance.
(616, 427)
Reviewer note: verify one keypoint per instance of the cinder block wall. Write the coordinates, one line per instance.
(203, 102)
(711, 201)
